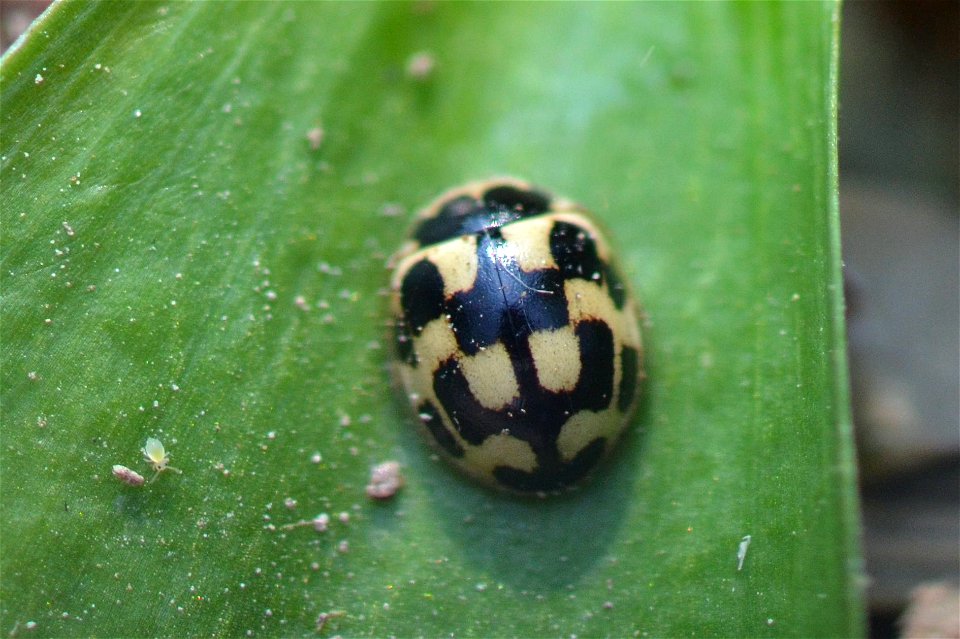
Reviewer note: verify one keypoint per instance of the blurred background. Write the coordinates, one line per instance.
(899, 182)
(900, 209)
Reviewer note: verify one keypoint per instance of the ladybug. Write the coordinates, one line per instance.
(517, 340)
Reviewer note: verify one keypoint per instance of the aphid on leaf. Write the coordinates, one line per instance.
(154, 452)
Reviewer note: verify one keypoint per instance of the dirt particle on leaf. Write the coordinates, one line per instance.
(392, 209)
(315, 137)
(320, 522)
(385, 480)
(421, 66)
(324, 617)
(17, 627)
(328, 269)
(127, 475)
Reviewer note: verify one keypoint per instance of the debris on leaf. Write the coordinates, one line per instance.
(385, 480)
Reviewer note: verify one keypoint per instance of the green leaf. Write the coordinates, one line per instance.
(183, 257)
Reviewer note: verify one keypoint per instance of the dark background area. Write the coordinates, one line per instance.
(899, 182)
(900, 210)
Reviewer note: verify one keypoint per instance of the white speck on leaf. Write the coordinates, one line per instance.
(315, 137)
(320, 522)
(742, 551)
(421, 65)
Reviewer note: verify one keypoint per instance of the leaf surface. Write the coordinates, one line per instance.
(198, 203)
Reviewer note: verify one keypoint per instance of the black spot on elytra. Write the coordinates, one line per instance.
(575, 252)
(546, 478)
(472, 420)
(523, 201)
(536, 415)
(464, 215)
(454, 219)
(421, 296)
(595, 387)
(629, 364)
(430, 417)
(505, 304)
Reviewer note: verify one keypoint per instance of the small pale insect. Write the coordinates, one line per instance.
(156, 454)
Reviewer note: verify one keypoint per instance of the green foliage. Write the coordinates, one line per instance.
(179, 260)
